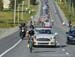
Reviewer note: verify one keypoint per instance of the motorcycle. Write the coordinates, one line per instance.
(22, 33)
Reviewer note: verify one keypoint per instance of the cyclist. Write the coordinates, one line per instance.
(31, 26)
(30, 33)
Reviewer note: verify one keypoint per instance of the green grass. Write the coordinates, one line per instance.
(6, 17)
(66, 12)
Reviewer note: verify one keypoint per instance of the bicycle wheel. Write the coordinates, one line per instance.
(30, 46)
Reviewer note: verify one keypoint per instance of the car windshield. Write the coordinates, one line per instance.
(42, 31)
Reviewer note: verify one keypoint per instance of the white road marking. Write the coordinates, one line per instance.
(45, 55)
(57, 43)
(0, 55)
(67, 53)
(10, 48)
(63, 50)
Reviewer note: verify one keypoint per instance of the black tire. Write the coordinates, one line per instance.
(20, 34)
(55, 45)
(68, 41)
(31, 50)
(31, 47)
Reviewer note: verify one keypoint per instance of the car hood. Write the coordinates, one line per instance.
(45, 36)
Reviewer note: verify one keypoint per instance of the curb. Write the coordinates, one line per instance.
(5, 32)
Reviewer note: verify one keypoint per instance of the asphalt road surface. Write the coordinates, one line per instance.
(21, 50)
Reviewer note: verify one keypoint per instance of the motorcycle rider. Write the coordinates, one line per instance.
(22, 30)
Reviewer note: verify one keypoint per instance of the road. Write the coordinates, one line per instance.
(21, 50)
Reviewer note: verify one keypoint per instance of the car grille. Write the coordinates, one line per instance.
(42, 43)
(43, 39)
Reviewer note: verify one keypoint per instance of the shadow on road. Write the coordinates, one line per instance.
(61, 46)
(43, 51)
(58, 46)
(44, 47)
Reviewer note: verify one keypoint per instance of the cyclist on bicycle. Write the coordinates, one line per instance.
(31, 26)
(30, 35)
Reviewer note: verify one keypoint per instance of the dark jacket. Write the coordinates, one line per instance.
(31, 32)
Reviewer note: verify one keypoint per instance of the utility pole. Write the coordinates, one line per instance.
(70, 4)
(22, 9)
(66, 4)
(28, 4)
(70, 12)
(14, 11)
(72, 8)
(18, 13)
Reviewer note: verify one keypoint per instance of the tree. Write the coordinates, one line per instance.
(33, 2)
(12, 3)
(74, 3)
(1, 5)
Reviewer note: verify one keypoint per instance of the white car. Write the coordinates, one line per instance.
(44, 36)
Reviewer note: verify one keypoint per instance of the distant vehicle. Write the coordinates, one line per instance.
(71, 36)
(43, 18)
(44, 36)
(47, 25)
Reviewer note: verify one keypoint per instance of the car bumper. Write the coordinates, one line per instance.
(71, 41)
(47, 26)
(44, 43)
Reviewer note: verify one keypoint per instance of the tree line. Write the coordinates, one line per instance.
(11, 5)
(71, 2)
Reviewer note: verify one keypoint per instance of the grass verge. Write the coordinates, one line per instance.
(7, 17)
(67, 12)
